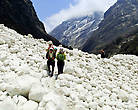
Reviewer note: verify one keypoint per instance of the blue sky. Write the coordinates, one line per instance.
(54, 12)
(46, 8)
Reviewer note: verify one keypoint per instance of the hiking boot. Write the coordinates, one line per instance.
(49, 72)
(56, 76)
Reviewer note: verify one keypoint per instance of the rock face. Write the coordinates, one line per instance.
(75, 32)
(119, 21)
(21, 16)
(126, 45)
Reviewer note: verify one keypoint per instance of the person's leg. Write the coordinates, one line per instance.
(62, 66)
(53, 66)
(48, 65)
(58, 65)
(59, 70)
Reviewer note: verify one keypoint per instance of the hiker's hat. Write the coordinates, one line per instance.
(51, 49)
(50, 43)
(61, 50)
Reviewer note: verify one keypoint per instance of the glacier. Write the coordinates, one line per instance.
(88, 83)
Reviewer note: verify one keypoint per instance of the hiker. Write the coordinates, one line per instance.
(51, 55)
(51, 46)
(60, 61)
(102, 53)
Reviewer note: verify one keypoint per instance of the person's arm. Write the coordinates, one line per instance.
(47, 55)
(54, 55)
(64, 57)
(57, 56)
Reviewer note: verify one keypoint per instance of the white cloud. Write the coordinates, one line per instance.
(82, 7)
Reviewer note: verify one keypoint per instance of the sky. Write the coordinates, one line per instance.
(54, 12)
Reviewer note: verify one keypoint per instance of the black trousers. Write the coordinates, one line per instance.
(60, 65)
(103, 55)
(51, 63)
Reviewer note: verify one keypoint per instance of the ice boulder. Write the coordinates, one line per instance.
(53, 101)
(8, 104)
(2, 41)
(132, 107)
(30, 105)
(107, 108)
(21, 85)
(15, 49)
(21, 100)
(36, 93)
(3, 56)
(69, 70)
(79, 107)
(123, 95)
(23, 69)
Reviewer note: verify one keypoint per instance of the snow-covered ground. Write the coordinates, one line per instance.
(88, 82)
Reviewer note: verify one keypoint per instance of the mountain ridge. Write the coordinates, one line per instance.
(118, 21)
(75, 31)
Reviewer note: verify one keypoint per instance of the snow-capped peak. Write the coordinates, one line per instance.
(74, 32)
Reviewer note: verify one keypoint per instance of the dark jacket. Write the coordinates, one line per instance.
(48, 56)
(103, 55)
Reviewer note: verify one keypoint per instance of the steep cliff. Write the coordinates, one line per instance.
(21, 16)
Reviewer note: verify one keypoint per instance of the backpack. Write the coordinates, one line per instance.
(50, 55)
(61, 57)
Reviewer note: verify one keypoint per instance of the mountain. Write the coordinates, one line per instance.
(21, 16)
(74, 32)
(121, 20)
(88, 82)
(124, 45)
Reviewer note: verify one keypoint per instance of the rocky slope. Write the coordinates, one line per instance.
(123, 45)
(75, 32)
(119, 21)
(88, 82)
(21, 16)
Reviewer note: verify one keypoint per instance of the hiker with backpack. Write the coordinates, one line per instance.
(60, 61)
(51, 55)
(51, 46)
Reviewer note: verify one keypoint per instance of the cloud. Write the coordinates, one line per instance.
(81, 8)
